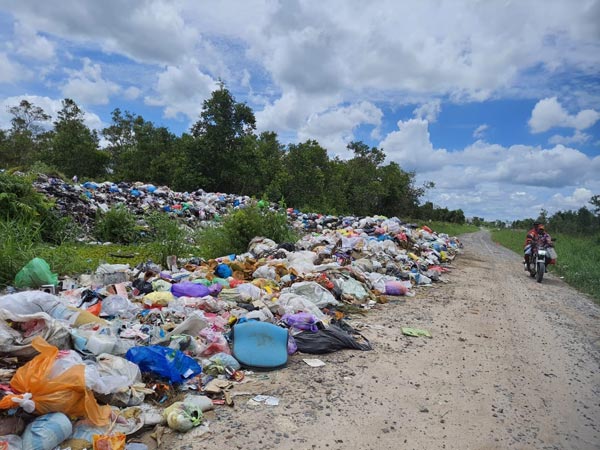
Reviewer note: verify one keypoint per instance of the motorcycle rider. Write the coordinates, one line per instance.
(529, 240)
(536, 234)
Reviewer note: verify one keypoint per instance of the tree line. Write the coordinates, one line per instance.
(584, 221)
(222, 152)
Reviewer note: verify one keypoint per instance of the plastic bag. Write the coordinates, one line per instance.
(301, 321)
(34, 274)
(182, 416)
(11, 442)
(328, 340)
(17, 343)
(115, 305)
(396, 288)
(288, 303)
(188, 289)
(164, 362)
(215, 343)
(46, 432)
(65, 393)
(313, 291)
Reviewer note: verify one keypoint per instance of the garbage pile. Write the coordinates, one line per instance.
(83, 201)
(89, 362)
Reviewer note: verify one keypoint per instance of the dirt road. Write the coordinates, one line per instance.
(511, 364)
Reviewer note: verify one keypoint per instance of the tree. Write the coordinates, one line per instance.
(363, 183)
(26, 118)
(307, 170)
(220, 155)
(25, 139)
(595, 202)
(74, 149)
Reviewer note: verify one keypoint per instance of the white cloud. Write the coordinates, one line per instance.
(490, 180)
(549, 113)
(182, 90)
(576, 200)
(149, 31)
(411, 147)
(132, 92)
(577, 138)
(333, 128)
(479, 132)
(49, 105)
(30, 44)
(87, 86)
(429, 111)
(11, 71)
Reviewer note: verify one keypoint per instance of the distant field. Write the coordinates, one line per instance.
(578, 258)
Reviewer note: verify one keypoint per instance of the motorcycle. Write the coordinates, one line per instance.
(542, 255)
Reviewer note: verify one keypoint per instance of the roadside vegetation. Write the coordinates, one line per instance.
(578, 259)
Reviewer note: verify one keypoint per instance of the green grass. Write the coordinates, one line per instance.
(451, 229)
(578, 258)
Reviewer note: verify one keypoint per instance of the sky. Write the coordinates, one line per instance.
(495, 101)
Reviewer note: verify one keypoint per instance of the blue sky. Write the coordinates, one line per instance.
(497, 102)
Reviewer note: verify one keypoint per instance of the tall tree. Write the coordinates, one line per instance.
(363, 185)
(74, 148)
(219, 156)
(307, 170)
(26, 137)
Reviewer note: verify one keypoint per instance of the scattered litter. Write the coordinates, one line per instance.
(314, 362)
(415, 332)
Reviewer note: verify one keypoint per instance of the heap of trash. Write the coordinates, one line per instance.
(89, 361)
(83, 201)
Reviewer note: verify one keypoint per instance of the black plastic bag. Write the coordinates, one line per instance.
(328, 340)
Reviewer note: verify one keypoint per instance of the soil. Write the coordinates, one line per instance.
(511, 364)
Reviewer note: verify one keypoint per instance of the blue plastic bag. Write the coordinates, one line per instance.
(164, 362)
(223, 271)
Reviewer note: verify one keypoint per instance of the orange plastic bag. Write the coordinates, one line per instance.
(65, 393)
(115, 441)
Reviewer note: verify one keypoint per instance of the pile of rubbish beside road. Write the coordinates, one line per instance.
(83, 201)
(88, 362)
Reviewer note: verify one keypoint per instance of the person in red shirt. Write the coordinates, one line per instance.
(529, 239)
(538, 232)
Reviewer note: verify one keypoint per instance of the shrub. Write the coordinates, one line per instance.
(18, 241)
(116, 225)
(167, 237)
(57, 229)
(240, 227)
(19, 200)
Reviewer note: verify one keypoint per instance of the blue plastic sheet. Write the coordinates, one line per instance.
(164, 362)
